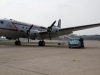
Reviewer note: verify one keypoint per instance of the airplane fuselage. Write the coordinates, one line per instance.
(12, 28)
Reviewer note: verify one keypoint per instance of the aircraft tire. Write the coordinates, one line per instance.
(41, 43)
(59, 43)
(17, 43)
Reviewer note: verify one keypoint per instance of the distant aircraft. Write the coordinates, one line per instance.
(13, 29)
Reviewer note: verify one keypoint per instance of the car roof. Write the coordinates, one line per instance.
(75, 38)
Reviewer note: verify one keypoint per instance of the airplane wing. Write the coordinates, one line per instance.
(66, 31)
(71, 29)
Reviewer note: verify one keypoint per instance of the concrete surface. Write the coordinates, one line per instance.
(52, 59)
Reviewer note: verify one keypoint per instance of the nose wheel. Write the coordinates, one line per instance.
(41, 43)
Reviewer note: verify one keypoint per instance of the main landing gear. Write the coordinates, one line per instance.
(41, 43)
(17, 42)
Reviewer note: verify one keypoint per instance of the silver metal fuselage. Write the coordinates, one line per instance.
(16, 29)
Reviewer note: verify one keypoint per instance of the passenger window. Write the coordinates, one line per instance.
(1, 22)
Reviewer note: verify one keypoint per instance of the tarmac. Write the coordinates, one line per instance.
(30, 59)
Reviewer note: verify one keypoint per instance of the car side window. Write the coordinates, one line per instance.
(1, 22)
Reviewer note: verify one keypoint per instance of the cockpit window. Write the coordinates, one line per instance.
(1, 22)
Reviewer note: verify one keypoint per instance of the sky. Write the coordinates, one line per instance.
(44, 12)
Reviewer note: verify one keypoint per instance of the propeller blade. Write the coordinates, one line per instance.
(28, 31)
(30, 27)
(53, 23)
(49, 35)
(50, 29)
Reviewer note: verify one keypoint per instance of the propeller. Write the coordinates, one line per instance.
(28, 32)
(50, 29)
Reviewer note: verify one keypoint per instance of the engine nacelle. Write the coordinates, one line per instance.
(34, 33)
(55, 29)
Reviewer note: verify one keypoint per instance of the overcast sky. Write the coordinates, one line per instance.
(44, 12)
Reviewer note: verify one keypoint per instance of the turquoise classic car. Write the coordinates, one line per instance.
(74, 42)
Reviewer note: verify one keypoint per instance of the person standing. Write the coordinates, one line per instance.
(82, 42)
